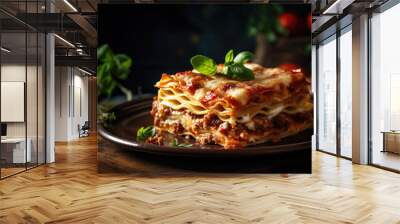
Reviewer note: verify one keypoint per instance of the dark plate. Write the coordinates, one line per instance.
(135, 114)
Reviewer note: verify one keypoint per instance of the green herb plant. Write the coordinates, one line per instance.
(112, 70)
(107, 118)
(145, 132)
(233, 66)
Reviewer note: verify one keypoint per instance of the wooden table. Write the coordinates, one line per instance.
(391, 141)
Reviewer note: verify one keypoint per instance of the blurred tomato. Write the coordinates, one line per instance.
(289, 66)
(309, 21)
(289, 21)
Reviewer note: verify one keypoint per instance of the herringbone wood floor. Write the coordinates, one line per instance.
(71, 191)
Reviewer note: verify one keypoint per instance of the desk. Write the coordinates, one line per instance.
(391, 141)
(13, 150)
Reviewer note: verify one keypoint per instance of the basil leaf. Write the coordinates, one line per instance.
(185, 145)
(239, 72)
(175, 143)
(243, 57)
(145, 132)
(204, 65)
(229, 57)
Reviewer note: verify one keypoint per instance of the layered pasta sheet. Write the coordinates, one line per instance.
(215, 109)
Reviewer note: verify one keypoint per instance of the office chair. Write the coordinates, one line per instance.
(84, 130)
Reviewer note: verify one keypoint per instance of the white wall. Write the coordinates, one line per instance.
(61, 114)
(13, 73)
(33, 126)
(80, 109)
(71, 94)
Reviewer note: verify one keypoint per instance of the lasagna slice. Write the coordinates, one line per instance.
(231, 113)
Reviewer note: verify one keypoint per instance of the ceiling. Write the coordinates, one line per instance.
(76, 22)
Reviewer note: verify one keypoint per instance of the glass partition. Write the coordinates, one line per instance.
(22, 98)
(32, 97)
(327, 96)
(15, 151)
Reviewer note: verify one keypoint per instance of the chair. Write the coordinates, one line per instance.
(84, 130)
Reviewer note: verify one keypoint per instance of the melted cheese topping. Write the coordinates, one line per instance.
(269, 94)
(238, 94)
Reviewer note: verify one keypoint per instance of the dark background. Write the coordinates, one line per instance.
(163, 38)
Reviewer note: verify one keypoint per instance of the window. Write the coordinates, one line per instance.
(385, 89)
(326, 101)
(346, 92)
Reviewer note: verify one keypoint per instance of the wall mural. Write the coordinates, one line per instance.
(205, 88)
